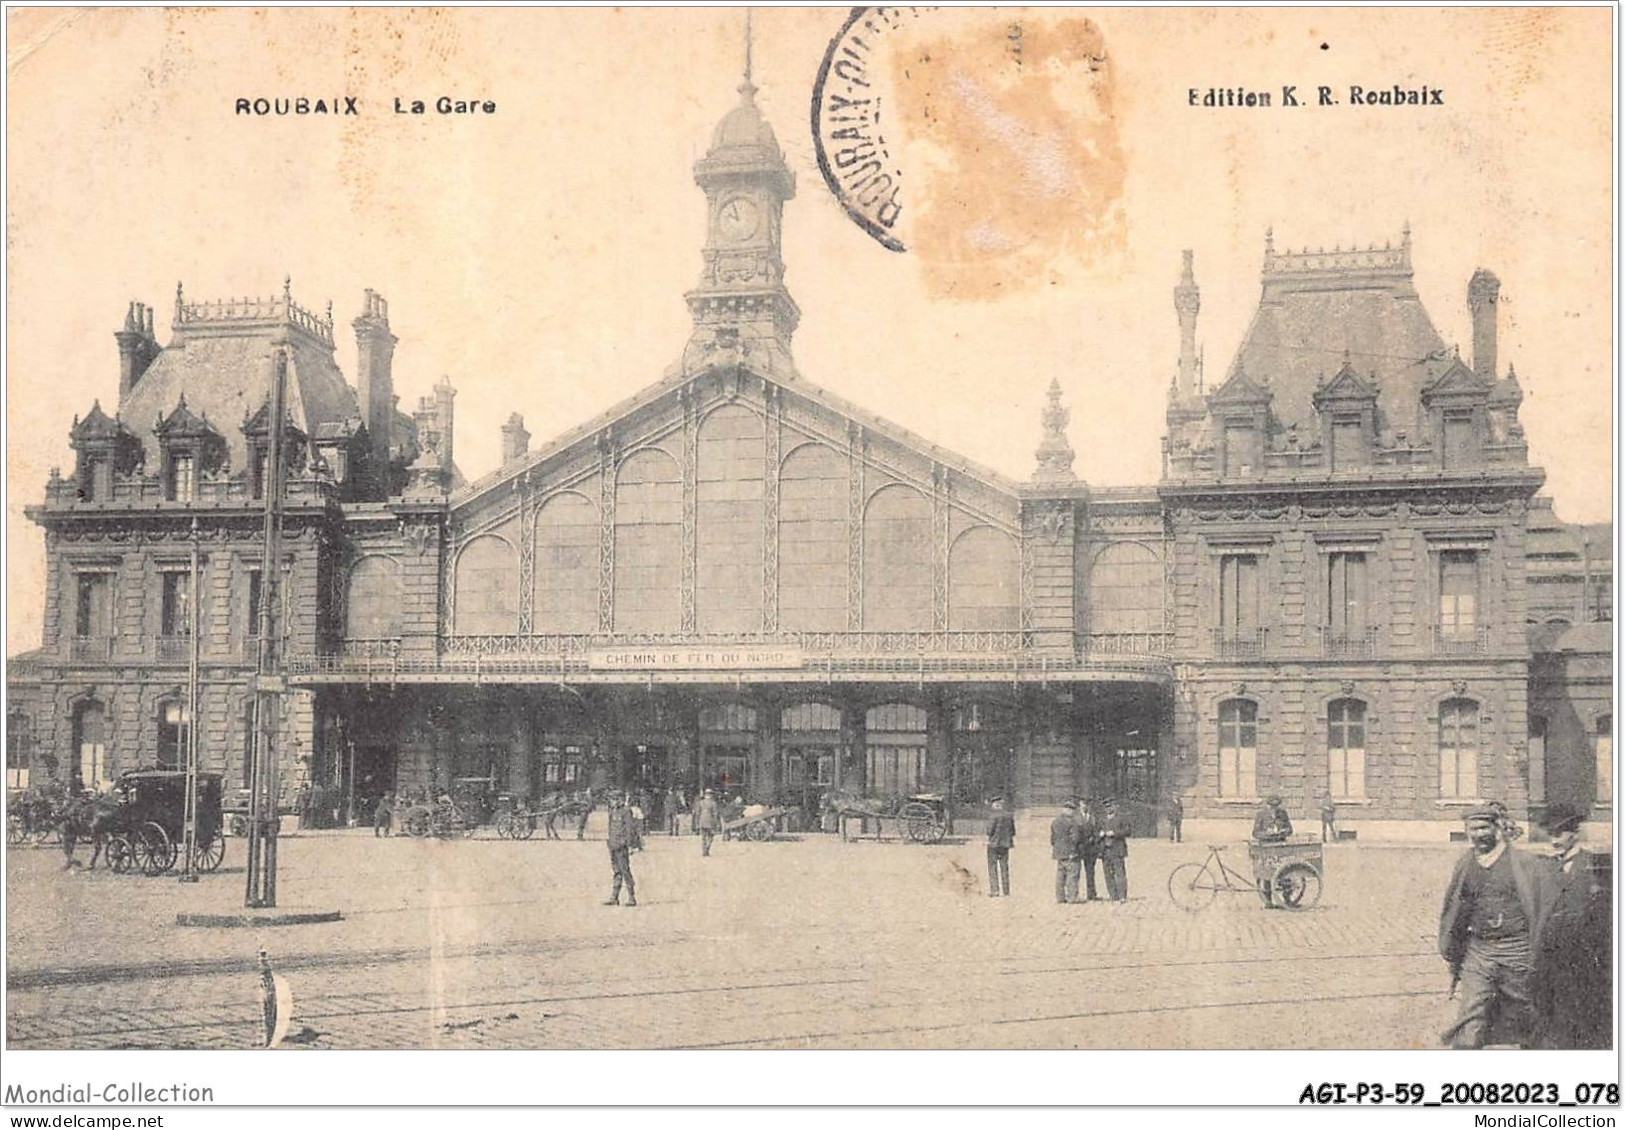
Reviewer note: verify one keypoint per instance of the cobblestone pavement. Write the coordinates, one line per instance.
(805, 944)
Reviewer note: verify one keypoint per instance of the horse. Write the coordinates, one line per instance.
(86, 818)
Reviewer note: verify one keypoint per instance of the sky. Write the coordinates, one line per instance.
(538, 255)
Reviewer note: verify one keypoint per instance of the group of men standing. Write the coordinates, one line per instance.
(1079, 837)
(1528, 938)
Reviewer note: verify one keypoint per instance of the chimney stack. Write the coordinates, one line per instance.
(137, 346)
(1187, 303)
(375, 380)
(1483, 292)
(515, 439)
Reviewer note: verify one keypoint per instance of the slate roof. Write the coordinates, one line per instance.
(1316, 309)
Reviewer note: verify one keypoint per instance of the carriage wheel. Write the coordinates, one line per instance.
(416, 823)
(154, 853)
(919, 823)
(15, 832)
(1298, 885)
(1192, 887)
(525, 827)
(209, 854)
(120, 855)
(761, 831)
(507, 826)
(239, 824)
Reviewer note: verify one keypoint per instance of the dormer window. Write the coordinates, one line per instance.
(182, 477)
(1240, 448)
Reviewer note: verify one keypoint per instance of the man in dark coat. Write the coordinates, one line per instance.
(1089, 847)
(1114, 832)
(624, 839)
(1001, 837)
(707, 820)
(1271, 824)
(1066, 845)
(1496, 899)
(1572, 984)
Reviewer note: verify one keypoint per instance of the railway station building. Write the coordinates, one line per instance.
(1346, 581)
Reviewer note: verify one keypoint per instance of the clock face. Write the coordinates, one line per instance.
(738, 218)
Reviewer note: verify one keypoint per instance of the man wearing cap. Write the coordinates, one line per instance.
(1114, 832)
(1066, 844)
(1001, 837)
(624, 838)
(1496, 899)
(1571, 986)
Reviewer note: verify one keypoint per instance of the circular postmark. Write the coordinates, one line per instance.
(984, 141)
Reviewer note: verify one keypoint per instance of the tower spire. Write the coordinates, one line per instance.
(748, 83)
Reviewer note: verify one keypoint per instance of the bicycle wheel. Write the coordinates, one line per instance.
(416, 823)
(1192, 887)
(1298, 886)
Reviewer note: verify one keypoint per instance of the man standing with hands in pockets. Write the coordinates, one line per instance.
(1001, 836)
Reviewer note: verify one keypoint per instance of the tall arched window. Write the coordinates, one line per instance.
(812, 540)
(895, 737)
(1125, 590)
(372, 606)
(1345, 748)
(1238, 748)
(487, 591)
(1602, 745)
(649, 544)
(567, 565)
(728, 542)
(1458, 748)
(984, 581)
(897, 561)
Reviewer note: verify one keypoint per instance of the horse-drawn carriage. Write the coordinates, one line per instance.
(516, 821)
(141, 825)
(923, 818)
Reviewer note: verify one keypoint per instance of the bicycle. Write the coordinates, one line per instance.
(1291, 871)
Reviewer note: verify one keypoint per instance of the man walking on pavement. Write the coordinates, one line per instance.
(1176, 818)
(707, 819)
(1066, 844)
(1496, 899)
(1089, 847)
(1001, 837)
(1571, 985)
(1114, 832)
(623, 840)
(1328, 819)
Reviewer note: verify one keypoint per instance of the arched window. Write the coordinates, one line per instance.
(1238, 748)
(567, 565)
(174, 720)
(90, 740)
(1458, 748)
(810, 717)
(1345, 748)
(812, 540)
(1602, 744)
(487, 591)
(895, 734)
(728, 717)
(372, 607)
(728, 542)
(1125, 590)
(897, 561)
(984, 581)
(649, 544)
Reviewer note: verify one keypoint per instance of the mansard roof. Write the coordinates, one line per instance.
(670, 386)
(1316, 306)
